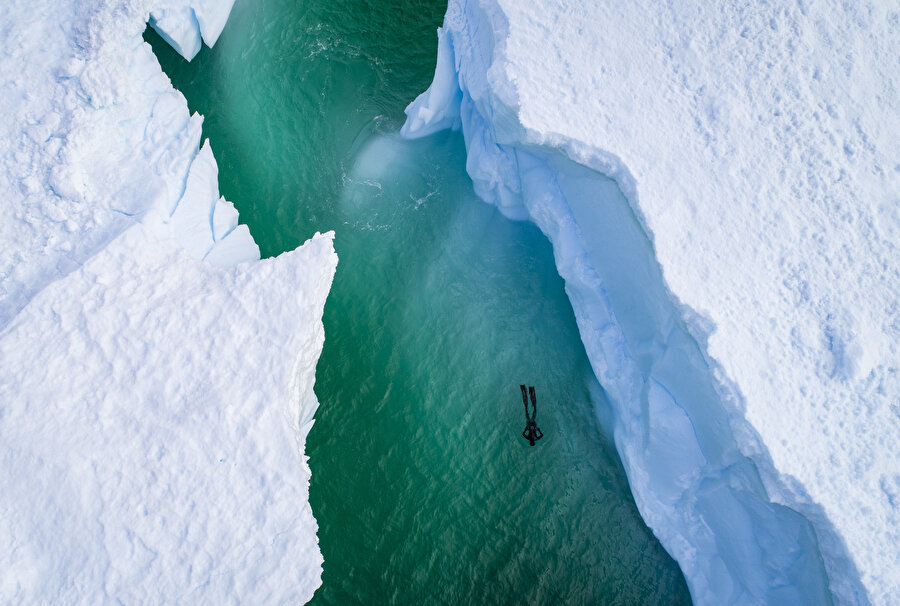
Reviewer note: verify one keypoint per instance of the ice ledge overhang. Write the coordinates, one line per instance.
(699, 472)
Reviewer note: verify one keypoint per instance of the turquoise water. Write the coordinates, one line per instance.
(424, 490)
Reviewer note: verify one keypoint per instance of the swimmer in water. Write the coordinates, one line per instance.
(532, 432)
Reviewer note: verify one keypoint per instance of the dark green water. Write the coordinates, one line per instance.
(424, 490)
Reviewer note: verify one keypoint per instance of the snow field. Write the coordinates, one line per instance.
(153, 442)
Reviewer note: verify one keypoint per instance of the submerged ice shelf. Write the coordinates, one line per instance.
(699, 461)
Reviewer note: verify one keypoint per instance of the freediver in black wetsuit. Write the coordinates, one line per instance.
(532, 432)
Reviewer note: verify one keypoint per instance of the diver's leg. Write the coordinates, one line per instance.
(525, 401)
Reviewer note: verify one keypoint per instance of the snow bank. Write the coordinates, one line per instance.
(156, 384)
(720, 190)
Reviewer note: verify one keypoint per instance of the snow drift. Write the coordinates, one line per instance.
(719, 189)
(156, 384)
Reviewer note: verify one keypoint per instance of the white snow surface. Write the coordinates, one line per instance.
(156, 376)
(720, 184)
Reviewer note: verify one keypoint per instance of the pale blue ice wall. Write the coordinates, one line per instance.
(697, 469)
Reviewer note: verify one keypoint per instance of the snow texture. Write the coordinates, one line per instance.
(156, 376)
(720, 188)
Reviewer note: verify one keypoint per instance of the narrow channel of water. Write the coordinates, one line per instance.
(424, 490)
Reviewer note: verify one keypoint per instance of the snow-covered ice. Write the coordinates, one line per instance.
(720, 187)
(153, 427)
(156, 376)
(185, 24)
(735, 280)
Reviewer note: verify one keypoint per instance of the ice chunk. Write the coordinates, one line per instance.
(237, 247)
(211, 16)
(225, 219)
(192, 220)
(206, 224)
(438, 107)
(179, 27)
(184, 24)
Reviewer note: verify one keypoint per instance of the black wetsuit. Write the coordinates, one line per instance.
(532, 431)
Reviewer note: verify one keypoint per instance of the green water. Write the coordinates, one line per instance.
(424, 490)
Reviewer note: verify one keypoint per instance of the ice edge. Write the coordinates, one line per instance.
(715, 513)
(206, 226)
